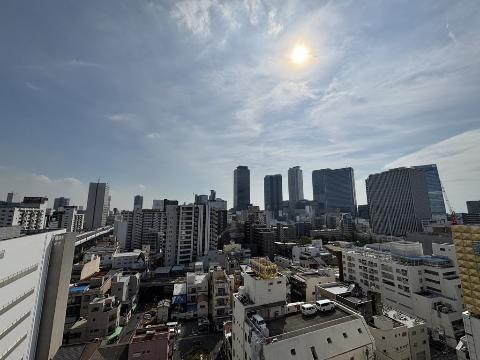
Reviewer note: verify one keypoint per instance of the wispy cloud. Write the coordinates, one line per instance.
(32, 86)
(126, 118)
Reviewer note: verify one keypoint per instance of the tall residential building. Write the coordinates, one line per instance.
(273, 193)
(473, 207)
(97, 205)
(60, 202)
(398, 201)
(335, 189)
(241, 188)
(263, 326)
(34, 280)
(427, 287)
(467, 248)
(434, 186)
(138, 202)
(295, 185)
(29, 214)
(67, 218)
(192, 234)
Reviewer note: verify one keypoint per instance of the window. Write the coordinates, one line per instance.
(329, 340)
(345, 335)
(359, 330)
(314, 353)
(292, 351)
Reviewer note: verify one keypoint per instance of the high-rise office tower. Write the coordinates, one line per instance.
(295, 185)
(473, 207)
(335, 189)
(241, 188)
(60, 202)
(434, 186)
(273, 195)
(138, 202)
(97, 205)
(397, 201)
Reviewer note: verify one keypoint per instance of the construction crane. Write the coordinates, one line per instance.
(450, 209)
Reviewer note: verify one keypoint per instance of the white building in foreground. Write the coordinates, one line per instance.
(34, 278)
(340, 334)
(427, 287)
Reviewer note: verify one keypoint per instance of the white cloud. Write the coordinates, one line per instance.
(458, 166)
(30, 184)
(193, 15)
(123, 118)
(153, 135)
(274, 27)
(141, 187)
(32, 86)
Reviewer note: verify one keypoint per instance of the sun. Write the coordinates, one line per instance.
(300, 54)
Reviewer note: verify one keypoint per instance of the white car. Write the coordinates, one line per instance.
(325, 305)
(308, 309)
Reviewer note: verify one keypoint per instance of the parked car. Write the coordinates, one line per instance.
(203, 324)
(325, 305)
(308, 309)
(258, 321)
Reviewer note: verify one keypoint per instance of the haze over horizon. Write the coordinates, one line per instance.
(165, 98)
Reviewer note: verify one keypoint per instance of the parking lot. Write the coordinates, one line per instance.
(190, 339)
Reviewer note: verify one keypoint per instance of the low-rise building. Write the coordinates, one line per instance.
(150, 343)
(219, 296)
(133, 260)
(302, 284)
(262, 329)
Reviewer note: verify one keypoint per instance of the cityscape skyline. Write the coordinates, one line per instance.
(377, 94)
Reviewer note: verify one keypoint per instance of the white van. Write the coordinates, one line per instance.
(258, 321)
(325, 305)
(294, 307)
(308, 309)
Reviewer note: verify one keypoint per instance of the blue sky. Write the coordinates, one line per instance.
(166, 98)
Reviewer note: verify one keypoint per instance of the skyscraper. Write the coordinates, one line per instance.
(335, 189)
(434, 186)
(295, 185)
(97, 205)
(241, 188)
(272, 189)
(60, 202)
(138, 202)
(473, 207)
(397, 201)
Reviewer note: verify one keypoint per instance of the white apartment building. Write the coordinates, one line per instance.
(29, 214)
(400, 337)
(339, 334)
(34, 279)
(427, 287)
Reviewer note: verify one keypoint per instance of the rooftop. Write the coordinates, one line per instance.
(297, 324)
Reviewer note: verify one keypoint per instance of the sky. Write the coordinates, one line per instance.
(166, 98)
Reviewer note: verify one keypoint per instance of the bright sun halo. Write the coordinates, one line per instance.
(300, 54)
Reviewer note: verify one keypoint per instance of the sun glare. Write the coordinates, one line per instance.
(300, 54)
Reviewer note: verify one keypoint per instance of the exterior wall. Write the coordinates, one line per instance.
(401, 211)
(472, 334)
(54, 307)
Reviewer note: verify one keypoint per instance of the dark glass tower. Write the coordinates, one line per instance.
(272, 188)
(435, 193)
(335, 189)
(241, 188)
